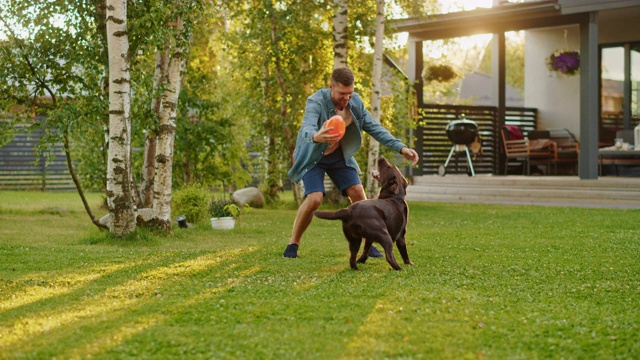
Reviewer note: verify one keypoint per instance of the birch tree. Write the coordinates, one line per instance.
(340, 59)
(149, 157)
(378, 52)
(167, 129)
(340, 35)
(119, 177)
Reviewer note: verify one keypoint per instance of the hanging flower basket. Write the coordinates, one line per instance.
(441, 73)
(564, 62)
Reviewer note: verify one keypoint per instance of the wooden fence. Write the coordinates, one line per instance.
(434, 146)
(18, 169)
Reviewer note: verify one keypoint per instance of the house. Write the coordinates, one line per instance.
(592, 104)
(474, 85)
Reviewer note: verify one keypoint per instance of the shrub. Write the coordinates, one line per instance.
(225, 208)
(193, 201)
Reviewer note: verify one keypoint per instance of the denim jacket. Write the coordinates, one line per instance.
(319, 109)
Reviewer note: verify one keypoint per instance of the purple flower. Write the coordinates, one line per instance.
(566, 62)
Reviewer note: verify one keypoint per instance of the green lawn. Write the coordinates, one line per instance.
(489, 282)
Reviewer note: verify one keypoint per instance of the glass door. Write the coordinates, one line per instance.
(612, 76)
(635, 84)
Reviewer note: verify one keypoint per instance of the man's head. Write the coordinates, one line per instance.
(341, 87)
(343, 76)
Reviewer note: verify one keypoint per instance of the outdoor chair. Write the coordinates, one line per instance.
(566, 149)
(518, 148)
(626, 136)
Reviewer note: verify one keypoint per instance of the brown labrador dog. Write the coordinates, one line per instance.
(382, 220)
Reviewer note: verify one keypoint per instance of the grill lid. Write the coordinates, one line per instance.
(462, 132)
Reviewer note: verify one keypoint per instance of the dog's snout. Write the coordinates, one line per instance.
(382, 162)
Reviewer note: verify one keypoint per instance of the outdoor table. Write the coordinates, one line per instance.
(618, 157)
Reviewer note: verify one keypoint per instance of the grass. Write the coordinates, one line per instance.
(489, 282)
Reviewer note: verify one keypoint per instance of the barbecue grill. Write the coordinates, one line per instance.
(461, 133)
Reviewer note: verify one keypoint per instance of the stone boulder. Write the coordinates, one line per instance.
(250, 195)
(144, 216)
(106, 220)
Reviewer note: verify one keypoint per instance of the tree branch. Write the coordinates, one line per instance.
(67, 152)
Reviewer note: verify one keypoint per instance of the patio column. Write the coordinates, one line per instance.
(588, 160)
(626, 106)
(499, 79)
(415, 66)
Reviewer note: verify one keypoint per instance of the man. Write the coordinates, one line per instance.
(318, 151)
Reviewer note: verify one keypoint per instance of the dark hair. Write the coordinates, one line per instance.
(344, 76)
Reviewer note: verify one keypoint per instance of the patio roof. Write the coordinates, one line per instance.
(499, 19)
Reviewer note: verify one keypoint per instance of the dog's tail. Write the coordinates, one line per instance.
(342, 214)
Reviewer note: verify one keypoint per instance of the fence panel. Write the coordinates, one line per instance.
(18, 170)
(434, 145)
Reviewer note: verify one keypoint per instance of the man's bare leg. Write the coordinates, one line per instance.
(304, 216)
(356, 193)
(303, 219)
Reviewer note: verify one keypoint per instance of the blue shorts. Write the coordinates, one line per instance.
(339, 172)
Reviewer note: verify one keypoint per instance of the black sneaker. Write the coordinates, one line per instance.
(291, 251)
(373, 252)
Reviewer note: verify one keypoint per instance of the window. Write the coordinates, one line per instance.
(619, 89)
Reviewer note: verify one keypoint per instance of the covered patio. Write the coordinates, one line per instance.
(596, 23)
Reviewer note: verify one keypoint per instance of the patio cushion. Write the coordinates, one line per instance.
(513, 132)
(538, 134)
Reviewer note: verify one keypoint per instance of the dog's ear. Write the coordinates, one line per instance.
(405, 183)
(393, 185)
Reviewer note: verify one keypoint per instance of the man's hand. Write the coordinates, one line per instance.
(323, 136)
(410, 154)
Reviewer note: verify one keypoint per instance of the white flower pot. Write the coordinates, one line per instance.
(224, 223)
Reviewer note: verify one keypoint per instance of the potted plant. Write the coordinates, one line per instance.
(564, 61)
(224, 213)
(443, 73)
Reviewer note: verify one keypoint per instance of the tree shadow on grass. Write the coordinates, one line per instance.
(50, 324)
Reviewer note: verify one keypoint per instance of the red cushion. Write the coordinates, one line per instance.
(513, 132)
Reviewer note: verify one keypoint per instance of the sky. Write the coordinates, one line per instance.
(457, 5)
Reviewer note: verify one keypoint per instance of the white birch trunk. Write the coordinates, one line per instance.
(378, 51)
(149, 167)
(340, 59)
(340, 50)
(166, 136)
(120, 192)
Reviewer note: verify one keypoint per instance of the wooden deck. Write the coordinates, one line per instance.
(605, 192)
